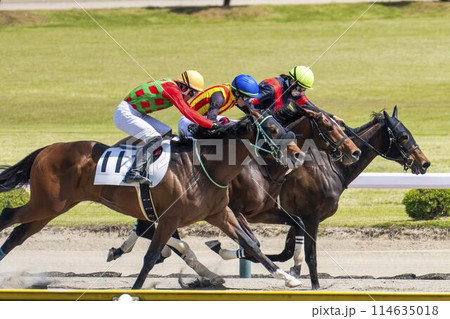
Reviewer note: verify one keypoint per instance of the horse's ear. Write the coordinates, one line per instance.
(389, 119)
(310, 113)
(395, 112)
(255, 114)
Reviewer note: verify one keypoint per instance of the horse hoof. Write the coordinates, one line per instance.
(217, 281)
(110, 255)
(293, 282)
(214, 245)
(295, 271)
(113, 254)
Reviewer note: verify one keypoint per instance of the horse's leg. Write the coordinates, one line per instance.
(278, 216)
(183, 250)
(11, 216)
(48, 200)
(228, 254)
(294, 240)
(312, 225)
(20, 234)
(246, 227)
(26, 214)
(143, 229)
(228, 223)
(162, 234)
(147, 229)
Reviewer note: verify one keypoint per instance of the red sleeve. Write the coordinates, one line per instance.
(302, 100)
(173, 93)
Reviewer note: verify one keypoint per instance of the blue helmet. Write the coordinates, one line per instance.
(246, 85)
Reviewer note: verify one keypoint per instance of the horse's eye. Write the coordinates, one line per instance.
(404, 137)
(272, 130)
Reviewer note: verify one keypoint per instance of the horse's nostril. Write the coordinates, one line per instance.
(297, 155)
(426, 165)
(356, 153)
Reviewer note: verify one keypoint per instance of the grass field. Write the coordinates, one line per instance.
(62, 76)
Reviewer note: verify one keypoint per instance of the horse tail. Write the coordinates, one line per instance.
(15, 176)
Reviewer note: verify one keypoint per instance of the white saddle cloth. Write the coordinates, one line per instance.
(115, 162)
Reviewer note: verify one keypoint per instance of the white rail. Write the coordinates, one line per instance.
(401, 180)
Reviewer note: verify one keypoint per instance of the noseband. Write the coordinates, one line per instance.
(274, 148)
(335, 153)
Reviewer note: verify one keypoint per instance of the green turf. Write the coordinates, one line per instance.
(62, 76)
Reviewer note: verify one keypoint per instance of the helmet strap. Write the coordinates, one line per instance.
(185, 78)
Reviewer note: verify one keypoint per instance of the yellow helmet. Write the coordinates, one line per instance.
(303, 75)
(192, 79)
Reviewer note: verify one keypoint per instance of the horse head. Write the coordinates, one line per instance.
(273, 141)
(405, 151)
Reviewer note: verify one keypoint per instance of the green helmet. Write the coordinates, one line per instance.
(303, 75)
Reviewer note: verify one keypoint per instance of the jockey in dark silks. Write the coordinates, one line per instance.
(276, 93)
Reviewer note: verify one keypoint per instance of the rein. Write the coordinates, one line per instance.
(392, 139)
(204, 168)
(260, 131)
(274, 148)
(337, 154)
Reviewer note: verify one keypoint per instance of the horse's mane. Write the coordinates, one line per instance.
(231, 129)
(376, 117)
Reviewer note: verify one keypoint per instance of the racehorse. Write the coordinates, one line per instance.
(253, 191)
(312, 191)
(62, 175)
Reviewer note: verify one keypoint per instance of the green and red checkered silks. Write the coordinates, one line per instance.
(147, 98)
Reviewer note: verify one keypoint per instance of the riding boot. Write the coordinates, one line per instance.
(137, 173)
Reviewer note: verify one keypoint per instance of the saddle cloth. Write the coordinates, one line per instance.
(115, 162)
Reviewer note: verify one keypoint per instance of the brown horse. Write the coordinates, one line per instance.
(62, 175)
(312, 191)
(253, 191)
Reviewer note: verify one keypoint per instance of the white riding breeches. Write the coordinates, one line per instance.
(136, 124)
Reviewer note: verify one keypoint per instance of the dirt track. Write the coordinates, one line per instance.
(349, 260)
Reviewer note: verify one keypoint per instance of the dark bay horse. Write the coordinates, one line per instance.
(254, 192)
(62, 175)
(312, 191)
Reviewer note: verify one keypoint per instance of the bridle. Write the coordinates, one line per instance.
(335, 153)
(272, 150)
(404, 150)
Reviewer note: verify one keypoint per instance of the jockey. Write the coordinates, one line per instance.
(220, 98)
(277, 92)
(133, 114)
